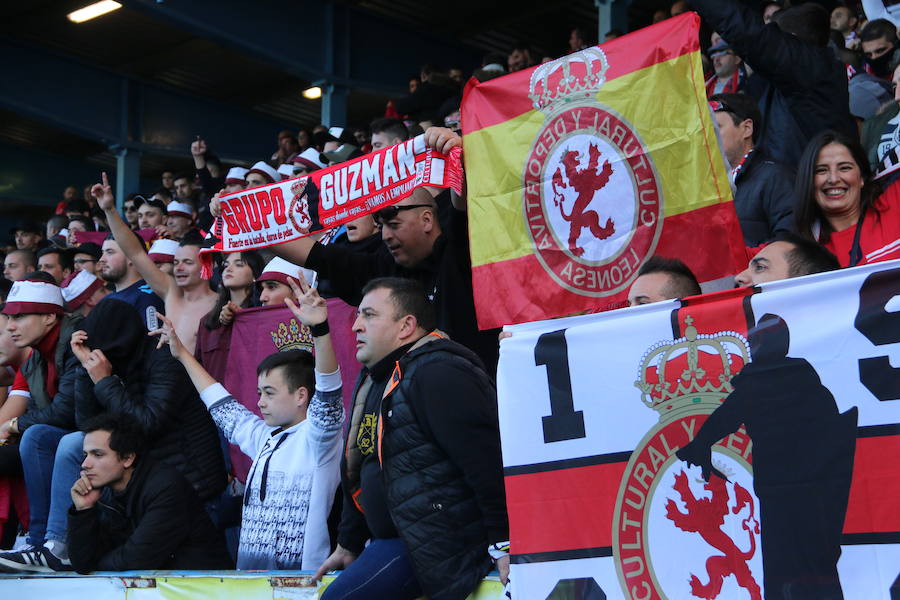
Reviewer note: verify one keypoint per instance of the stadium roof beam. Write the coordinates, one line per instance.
(126, 115)
(312, 39)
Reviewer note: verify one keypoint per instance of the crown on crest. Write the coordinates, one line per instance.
(693, 372)
(573, 78)
(293, 336)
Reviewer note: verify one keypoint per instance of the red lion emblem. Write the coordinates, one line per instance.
(706, 517)
(299, 208)
(586, 183)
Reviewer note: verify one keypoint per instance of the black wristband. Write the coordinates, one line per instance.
(319, 329)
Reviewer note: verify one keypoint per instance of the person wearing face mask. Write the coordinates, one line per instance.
(878, 41)
(842, 207)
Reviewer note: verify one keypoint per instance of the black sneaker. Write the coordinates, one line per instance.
(33, 560)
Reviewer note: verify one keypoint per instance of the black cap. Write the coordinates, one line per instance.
(320, 138)
(89, 248)
(27, 227)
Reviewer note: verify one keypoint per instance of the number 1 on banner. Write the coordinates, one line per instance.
(563, 422)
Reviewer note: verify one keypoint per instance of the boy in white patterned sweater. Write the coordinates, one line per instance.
(296, 446)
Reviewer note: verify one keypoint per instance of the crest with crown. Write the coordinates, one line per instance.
(292, 336)
(691, 374)
(574, 78)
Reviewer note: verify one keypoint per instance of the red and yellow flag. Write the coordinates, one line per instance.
(580, 169)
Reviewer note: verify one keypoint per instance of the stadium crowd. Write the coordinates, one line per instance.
(113, 412)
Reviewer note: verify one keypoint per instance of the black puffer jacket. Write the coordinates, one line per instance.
(157, 523)
(442, 469)
(764, 200)
(154, 388)
(801, 88)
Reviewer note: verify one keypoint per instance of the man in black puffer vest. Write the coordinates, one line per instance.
(422, 473)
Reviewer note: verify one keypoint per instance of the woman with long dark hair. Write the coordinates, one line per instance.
(840, 206)
(239, 273)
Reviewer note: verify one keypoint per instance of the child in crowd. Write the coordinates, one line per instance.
(296, 445)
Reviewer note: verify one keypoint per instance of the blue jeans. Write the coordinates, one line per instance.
(51, 461)
(383, 570)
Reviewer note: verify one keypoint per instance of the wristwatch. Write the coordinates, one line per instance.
(319, 329)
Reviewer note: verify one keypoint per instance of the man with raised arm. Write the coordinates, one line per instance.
(187, 296)
(416, 246)
(296, 446)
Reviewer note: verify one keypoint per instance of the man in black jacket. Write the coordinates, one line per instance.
(764, 190)
(422, 474)
(800, 86)
(416, 246)
(131, 513)
(123, 371)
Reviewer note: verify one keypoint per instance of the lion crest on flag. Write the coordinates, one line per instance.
(592, 198)
(586, 183)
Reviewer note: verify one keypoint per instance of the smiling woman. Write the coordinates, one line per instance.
(842, 207)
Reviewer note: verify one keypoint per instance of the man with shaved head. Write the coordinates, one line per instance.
(662, 279)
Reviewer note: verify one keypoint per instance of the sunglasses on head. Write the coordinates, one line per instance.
(387, 214)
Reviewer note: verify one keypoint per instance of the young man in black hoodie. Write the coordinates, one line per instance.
(131, 513)
(422, 473)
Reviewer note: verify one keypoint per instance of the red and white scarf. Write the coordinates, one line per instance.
(295, 208)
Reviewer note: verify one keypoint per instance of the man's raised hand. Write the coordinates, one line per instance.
(79, 348)
(102, 193)
(442, 139)
(214, 203)
(310, 308)
(198, 147)
(167, 335)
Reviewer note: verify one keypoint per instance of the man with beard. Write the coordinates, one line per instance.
(148, 518)
(188, 297)
(118, 270)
